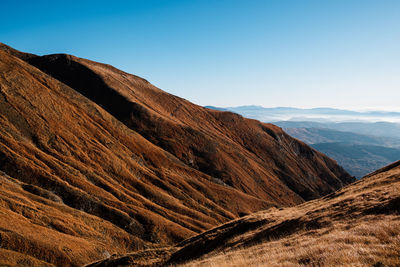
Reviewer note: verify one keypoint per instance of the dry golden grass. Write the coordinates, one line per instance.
(79, 185)
(357, 226)
(258, 159)
(148, 258)
(128, 167)
(373, 242)
(12, 258)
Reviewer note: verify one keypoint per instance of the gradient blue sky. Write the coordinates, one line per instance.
(301, 53)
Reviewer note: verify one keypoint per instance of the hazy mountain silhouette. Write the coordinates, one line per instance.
(330, 115)
(358, 154)
(356, 140)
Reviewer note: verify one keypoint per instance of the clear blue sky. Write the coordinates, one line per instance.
(301, 53)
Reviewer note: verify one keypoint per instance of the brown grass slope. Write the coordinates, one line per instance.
(358, 225)
(255, 158)
(78, 185)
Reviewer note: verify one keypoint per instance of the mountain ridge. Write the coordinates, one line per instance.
(358, 154)
(358, 141)
(140, 109)
(136, 168)
(316, 110)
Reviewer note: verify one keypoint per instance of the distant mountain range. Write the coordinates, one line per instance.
(359, 160)
(358, 154)
(325, 135)
(313, 114)
(380, 129)
(359, 141)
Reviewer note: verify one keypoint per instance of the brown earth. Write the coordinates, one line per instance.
(78, 185)
(358, 225)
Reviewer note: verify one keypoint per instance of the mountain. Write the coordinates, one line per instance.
(359, 160)
(377, 123)
(324, 135)
(358, 141)
(358, 225)
(96, 161)
(216, 108)
(358, 154)
(242, 153)
(329, 115)
(378, 129)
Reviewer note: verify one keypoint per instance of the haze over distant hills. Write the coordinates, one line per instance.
(359, 141)
(379, 129)
(314, 114)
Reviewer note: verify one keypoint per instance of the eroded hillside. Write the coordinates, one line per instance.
(356, 226)
(258, 159)
(114, 169)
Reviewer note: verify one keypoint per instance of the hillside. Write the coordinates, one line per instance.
(78, 176)
(318, 115)
(359, 160)
(248, 155)
(324, 135)
(377, 129)
(95, 161)
(337, 133)
(357, 226)
(358, 154)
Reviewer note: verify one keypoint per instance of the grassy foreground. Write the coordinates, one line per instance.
(356, 226)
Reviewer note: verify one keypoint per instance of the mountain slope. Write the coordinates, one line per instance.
(79, 176)
(80, 185)
(359, 226)
(258, 159)
(323, 115)
(319, 135)
(378, 129)
(359, 160)
(358, 154)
